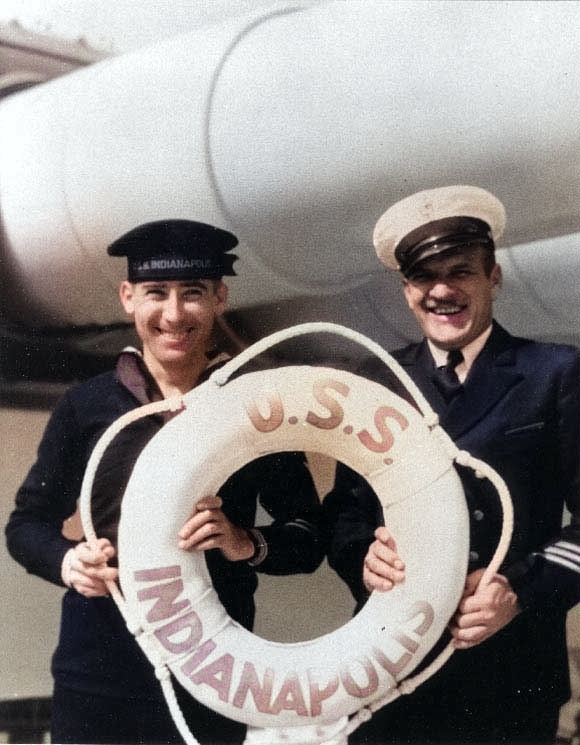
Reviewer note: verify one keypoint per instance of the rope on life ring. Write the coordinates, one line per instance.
(167, 597)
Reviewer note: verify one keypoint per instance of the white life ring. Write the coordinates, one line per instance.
(167, 595)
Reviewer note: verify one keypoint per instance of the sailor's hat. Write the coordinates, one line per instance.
(436, 220)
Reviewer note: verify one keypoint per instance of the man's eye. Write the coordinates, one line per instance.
(419, 279)
(460, 273)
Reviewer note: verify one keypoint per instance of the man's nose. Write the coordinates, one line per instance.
(441, 288)
(172, 307)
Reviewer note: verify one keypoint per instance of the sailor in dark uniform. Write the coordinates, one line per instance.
(515, 404)
(105, 688)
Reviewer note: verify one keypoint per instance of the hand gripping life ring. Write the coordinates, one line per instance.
(167, 596)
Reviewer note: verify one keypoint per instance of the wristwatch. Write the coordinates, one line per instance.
(260, 547)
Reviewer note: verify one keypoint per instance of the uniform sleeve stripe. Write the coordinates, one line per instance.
(564, 563)
(559, 549)
(565, 549)
(573, 547)
(564, 553)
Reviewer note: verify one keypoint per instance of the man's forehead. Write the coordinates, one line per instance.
(179, 283)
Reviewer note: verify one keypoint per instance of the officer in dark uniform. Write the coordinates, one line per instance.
(515, 404)
(105, 689)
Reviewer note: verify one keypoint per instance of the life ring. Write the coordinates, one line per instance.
(167, 595)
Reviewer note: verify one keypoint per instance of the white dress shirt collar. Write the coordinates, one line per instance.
(470, 352)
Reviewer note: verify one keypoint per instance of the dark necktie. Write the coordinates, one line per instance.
(446, 378)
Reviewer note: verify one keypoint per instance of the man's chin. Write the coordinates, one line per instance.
(447, 337)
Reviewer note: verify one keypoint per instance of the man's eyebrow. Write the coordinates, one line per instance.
(422, 272)
(461, 265)
(432, 271)
(203, 284)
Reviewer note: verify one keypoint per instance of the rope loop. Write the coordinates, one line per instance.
(407, 459)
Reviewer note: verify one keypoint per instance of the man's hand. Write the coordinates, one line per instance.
(86, 570)
(383, 567)
(208, 527)
(483, 610)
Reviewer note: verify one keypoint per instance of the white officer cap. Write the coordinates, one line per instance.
(436, 220)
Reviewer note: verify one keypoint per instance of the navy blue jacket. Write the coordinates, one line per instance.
(519, 411)
(96, 653)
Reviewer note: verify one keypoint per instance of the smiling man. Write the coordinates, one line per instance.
(106, 691)
(174, 293)
(515, 404)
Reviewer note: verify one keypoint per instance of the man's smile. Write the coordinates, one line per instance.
(445, 309)
(175, 337)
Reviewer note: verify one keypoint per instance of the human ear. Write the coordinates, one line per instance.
(221, 293)
(407, 289)
(126, 295)
(496, 278)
